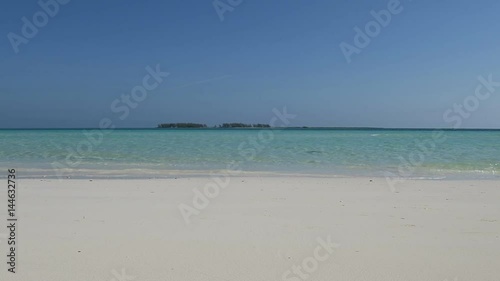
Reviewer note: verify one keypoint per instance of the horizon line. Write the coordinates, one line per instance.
(266, 128)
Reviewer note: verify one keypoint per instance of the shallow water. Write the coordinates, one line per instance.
(404, 153)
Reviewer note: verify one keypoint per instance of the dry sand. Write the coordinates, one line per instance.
(257, 228)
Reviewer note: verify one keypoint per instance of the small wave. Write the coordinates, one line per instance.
(314, 151)
(427, 178)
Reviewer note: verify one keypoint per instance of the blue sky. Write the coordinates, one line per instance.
(263, 55)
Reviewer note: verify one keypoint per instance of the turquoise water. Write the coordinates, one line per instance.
(473, 154)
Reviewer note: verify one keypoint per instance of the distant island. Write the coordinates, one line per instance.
(266, 126)
(199, 126)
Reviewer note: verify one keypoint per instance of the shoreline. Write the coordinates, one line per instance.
(150, 173)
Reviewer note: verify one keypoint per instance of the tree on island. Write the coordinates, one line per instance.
(223, 126)
(182, 125)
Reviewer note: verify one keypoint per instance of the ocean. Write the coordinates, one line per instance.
(418, 154)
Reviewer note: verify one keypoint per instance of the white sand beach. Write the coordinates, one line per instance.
(257, 228)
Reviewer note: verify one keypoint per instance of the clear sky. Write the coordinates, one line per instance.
(264, 54)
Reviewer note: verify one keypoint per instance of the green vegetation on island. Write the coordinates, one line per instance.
(199, 126)
(181, 125)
